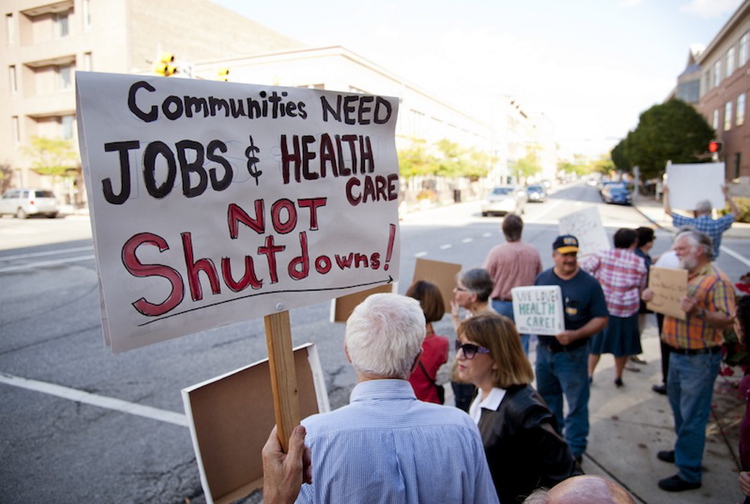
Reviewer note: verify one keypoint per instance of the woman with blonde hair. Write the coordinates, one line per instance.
(519, 432)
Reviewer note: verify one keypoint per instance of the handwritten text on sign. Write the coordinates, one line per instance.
(669, 287)
(538, 309)
(217, 202)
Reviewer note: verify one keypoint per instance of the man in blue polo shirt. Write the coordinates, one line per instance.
(702, 222)
(562, 360)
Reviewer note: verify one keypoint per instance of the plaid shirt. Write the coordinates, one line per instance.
(622, 275)
(705, 224)
(713, 291)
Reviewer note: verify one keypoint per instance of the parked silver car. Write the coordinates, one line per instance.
(23, 203)
(505, 199)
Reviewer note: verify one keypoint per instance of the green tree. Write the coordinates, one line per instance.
(6, 173)
(416, 161)
(52, 156)
(669, 131)
(619, 159)
(527, 166)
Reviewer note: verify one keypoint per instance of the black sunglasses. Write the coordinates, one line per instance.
(470, 350)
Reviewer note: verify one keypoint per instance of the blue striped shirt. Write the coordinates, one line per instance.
(388, 447)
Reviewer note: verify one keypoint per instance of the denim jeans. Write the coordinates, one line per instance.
(690, 387)
(566, 373)
(506, 308)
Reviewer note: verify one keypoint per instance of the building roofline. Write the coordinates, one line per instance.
(738, 16)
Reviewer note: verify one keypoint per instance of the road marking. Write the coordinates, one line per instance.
(734, 254)
(467, 240)
(40, 254)
(446, 246)
(420, 254)
(486, 235)
(45, 263)
(95, 400)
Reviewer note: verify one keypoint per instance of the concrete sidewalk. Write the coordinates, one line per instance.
(631, 424)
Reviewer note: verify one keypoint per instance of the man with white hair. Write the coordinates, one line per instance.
(385, 445)
(694, 355)
(584, 489)
(702, 222)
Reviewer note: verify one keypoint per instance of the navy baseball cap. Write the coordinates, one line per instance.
(565, 244)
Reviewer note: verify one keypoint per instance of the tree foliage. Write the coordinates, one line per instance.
(671, 131)
(445, 159)
(527, 166)
(52, 156)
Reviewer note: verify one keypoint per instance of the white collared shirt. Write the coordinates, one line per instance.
(491, 402)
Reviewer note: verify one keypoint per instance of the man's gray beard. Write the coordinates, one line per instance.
(688, 263)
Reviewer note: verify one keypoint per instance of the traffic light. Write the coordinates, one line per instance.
(714, 147)
(222, 74)
(165, 64)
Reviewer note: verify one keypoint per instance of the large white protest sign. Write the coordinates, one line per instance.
(690, 183)
(586, 225)
(216, 202)
(538, 309)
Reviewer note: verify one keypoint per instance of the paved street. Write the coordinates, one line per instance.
(80, 424)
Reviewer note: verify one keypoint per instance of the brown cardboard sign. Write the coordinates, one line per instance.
(669, 287)
(442, 274)
(342, 307)
(231, 416)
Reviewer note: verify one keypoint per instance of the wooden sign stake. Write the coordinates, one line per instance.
(283, 375)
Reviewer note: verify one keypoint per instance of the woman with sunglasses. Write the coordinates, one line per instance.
(519, 432)
(472, 294)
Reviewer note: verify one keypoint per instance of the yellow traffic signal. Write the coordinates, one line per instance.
(222, 74)
(164, 65)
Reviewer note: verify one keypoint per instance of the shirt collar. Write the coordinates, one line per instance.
(382, 389)
(491, 402)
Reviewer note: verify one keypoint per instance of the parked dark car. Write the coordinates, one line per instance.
(617, 193)
(537, 193)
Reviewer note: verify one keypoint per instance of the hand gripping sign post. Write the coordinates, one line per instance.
(215, 202)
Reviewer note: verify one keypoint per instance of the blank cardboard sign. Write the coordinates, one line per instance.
(343, 306)
(442, 274)
(231, 416)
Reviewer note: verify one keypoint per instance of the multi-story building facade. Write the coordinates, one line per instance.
(724, 90)
(46, 43)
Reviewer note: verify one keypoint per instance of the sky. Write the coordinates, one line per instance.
(591, 66)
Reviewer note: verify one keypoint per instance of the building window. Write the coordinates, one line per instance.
(716, 119)
(744, 46)
(87, 13)
(737, 159)
(730, 61)
(66, 127)
(728, 116)
(740, 119)
(62, 26)
(65, 77)
(87, 62)
(717, 73)
(10, 29)
(707, 81)
(16, 129)
(13, 76)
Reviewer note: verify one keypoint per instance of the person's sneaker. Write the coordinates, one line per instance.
(638, 360)
(660, 389)
(677, 484)
(666, 456)
(618, 382)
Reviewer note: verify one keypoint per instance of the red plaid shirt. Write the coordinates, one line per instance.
(713, 291)
(622, 275)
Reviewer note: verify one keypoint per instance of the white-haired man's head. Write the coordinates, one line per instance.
(703, 207)
(384, 336)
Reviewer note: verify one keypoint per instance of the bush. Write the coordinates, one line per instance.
(744, 205)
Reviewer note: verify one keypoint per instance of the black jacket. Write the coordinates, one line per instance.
(523, 448)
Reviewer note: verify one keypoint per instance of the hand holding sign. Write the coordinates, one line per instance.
(538, 309)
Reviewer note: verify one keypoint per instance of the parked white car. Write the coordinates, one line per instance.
(505, 199)
(23, 203)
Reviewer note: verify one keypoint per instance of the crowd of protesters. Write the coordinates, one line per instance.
(529, 445)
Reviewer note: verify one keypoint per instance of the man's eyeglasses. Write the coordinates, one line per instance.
(470, 350)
